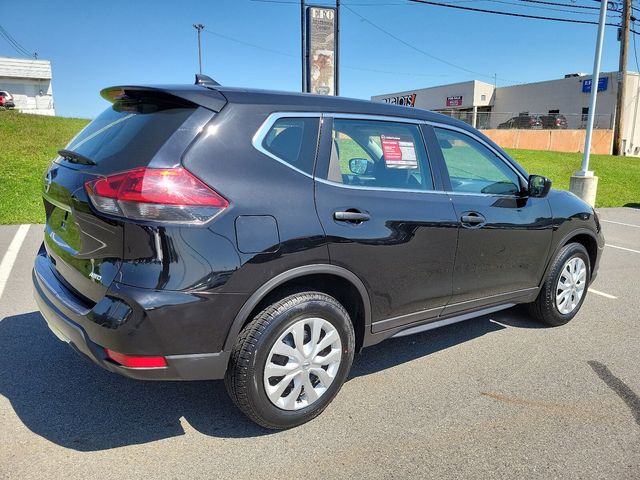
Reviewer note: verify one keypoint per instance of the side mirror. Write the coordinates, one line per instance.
(360, 166)
(539, 186)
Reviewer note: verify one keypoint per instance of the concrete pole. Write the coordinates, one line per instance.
(583, 183)
(474, 117)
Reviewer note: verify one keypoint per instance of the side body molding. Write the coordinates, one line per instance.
(264, 290)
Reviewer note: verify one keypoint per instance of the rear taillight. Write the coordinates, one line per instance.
(131, 361)
(157, 194)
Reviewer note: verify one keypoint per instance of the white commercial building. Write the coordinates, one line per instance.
(29, 81)
(488, 107)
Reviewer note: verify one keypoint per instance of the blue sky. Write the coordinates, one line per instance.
(97, 44)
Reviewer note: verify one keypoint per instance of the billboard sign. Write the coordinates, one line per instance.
(321, 50)
(603, 83)
(454, 101)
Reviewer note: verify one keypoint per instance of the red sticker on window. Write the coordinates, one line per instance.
(398, 152)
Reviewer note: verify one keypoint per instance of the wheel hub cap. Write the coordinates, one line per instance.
(302, 363)
(571, 285)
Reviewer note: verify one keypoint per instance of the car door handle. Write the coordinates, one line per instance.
(472, 218)
(351, 216)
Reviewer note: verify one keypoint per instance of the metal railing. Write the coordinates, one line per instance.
(530, 120)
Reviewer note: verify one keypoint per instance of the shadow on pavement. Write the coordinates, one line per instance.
(75, 404)
(620, 388)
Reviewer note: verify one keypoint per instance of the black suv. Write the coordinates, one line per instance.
(554, 121)
(204, 232)
(522, 122)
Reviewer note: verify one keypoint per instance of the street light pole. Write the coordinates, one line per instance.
(199, 27)
(584, 184)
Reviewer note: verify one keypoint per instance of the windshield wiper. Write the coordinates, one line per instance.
(75, 157)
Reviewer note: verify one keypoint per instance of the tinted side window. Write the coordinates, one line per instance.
(294, 141)
(381, 154)
(473, 167)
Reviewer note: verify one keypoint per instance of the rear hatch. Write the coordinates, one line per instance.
(86, 248)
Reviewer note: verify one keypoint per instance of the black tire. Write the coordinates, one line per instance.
(244, 377)
(544, 308)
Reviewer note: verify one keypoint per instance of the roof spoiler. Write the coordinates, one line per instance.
(206, 81)
(208, 97)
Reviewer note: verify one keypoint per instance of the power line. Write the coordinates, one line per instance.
(549, 8)
(11, 41)
(14, 43)
(510, 14)
(292, 55)
(413, 47)
(543, 2)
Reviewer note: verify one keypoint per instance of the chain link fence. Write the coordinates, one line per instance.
(530, 121)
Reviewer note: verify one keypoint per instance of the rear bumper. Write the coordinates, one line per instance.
(64, 318)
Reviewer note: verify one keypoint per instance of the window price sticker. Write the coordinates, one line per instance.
(399, 152)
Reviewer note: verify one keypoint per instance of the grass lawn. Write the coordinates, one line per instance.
(30, 142)
(618, 177)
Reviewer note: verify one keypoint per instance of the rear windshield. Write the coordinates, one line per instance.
(131, 130)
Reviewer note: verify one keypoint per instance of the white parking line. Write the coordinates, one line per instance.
(602, 294)
(11, 254)
(623, 248)
(621, 223)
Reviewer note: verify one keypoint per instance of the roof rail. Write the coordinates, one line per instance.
(206, 81)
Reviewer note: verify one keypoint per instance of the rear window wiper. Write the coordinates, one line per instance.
(75, 157)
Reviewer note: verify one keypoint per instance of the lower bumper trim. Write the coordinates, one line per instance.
(200, 366)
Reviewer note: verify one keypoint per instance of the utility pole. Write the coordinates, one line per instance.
(199, 27)
(584, 183)
(618, 129)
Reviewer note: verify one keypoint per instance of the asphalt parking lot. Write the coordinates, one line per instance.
(494, 397)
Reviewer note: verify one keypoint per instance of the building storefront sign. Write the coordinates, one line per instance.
(603, 83)
(404, 100)
(454, 101)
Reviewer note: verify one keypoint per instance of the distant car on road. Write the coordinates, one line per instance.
(553, 121)
(199, 232)
(522, 122)
(6, 100)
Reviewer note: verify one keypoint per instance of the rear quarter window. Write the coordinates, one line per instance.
(293, 141)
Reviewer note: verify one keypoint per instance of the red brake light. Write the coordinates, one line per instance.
(136, 362)
(161, 194)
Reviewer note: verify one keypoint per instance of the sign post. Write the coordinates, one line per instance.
(583, 183)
